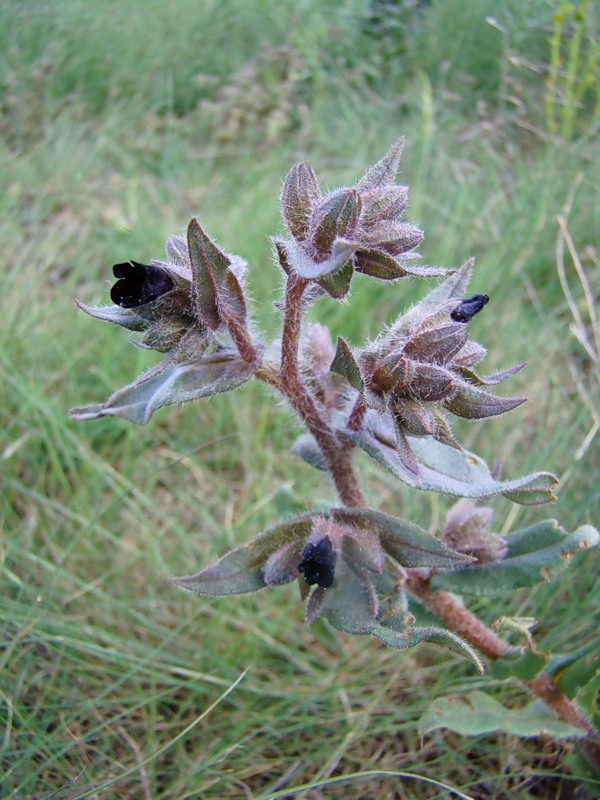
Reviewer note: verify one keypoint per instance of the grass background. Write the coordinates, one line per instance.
(119, 122)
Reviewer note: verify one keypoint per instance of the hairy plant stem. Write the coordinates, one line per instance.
(337, 456)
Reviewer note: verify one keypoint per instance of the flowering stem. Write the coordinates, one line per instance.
(288, 380)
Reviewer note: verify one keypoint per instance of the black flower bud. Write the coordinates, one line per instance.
(139, 284)
(318, 563)
(469, 307)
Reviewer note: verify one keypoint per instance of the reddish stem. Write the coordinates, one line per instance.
(306, 405)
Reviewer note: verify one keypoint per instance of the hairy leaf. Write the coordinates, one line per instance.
(379, 264)
(125, 317)
(452, 288)
(348, 608)
(384, 172)
(299, 197)
(472, 403)
(344, 364)
(408, 544)
(445, 469)
(209, 267)
(298, 261)
(243, 569)
(522, 567)
(170, 384)
(337, 217)
(337, 284)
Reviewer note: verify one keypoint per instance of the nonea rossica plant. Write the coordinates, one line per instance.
(364, 571)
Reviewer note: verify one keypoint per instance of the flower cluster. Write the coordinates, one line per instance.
(422, 369)
(349, 229)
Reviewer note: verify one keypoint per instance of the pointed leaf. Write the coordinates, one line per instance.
(422, 381)
(490, 380)
(344, 364)
(394, 238)
(471, 354)
(282, 565)
(476, 713)
(337, 285)
(415, 419)
(443, 468)
(452, 288)
(378, 264)
(242, 569)
(472, 403)
(125, 317)
(279, 246)
(408, 544)
(230, 300)
(178, 254)
(404, 450)
(209, 266)
(384, 172)
(174, 383)
(526, 569)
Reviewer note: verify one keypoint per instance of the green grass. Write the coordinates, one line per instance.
(106, 149)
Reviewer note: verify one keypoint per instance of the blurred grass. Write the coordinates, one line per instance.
(119, 123)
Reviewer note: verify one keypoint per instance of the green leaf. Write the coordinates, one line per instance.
(561, 661)
(525, 666)
(170, 383)
(242, 569)
(408, 544)
(587, 698)
(529, 567)
(344, 364)
(576, 673)
(347, 607)
(476, 713)
(445, 469)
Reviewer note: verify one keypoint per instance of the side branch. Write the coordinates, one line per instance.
(461, 621)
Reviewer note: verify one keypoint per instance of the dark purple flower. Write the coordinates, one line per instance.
(318, 563)
(139, 284)
(469, 307)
